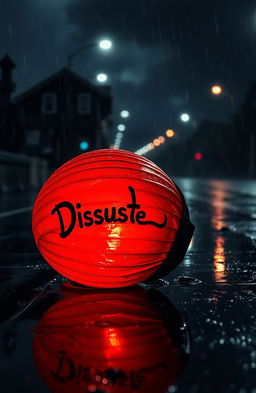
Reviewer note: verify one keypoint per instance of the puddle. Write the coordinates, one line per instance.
(187, 281)
(160, 283)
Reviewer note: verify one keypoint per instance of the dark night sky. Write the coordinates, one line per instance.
(166, 54)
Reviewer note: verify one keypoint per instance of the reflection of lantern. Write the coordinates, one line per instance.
(108, 341)
(111, 218)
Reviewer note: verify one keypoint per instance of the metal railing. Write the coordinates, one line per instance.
(20, 172)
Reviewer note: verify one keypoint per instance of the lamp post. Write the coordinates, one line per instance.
(101, 78)
(103, 44)
(155, 143)
(217, 90)
(185, 117)
(124, 113)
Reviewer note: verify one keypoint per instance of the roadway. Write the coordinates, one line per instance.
(214, 290)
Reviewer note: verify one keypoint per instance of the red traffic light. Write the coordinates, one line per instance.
(198, 156)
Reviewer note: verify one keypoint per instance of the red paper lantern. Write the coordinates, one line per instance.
(110, 218)
(109, 342)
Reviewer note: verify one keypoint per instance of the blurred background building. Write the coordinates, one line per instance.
(63, 116)
(48, 124)
(56, 119)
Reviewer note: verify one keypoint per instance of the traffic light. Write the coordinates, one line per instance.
(84, 145)
(198, 156)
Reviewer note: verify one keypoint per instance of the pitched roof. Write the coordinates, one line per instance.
(63, 72)
(7, 62)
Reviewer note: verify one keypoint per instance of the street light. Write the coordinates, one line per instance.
(150, 146)
(121, 127)
(103, 44)
(169, 133)
(156, 142)
(216, 90)
(145, 149)
(102, 78)
(124, 114)
(185, 117)
(119, 136)
(99, 77)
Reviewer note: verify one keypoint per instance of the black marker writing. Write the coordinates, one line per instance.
(131, 212)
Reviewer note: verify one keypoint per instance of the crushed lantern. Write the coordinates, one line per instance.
(111, 218)
(107, 341)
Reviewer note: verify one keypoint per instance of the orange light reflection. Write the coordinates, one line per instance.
(219, 259)
(218, 201)
(219, 196)
(113, 338)
(114, 235)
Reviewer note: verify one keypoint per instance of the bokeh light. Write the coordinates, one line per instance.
(84, 145)
(124, 114)
(156, 142)
(216, 90)
(121, 127)
(198, 156)
(185, 117)
(169, 133)
(102, 78)
(105, 44)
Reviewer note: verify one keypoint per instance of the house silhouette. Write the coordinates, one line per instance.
(59, 117)
(11, 124)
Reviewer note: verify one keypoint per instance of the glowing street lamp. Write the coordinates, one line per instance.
(145, 149)
(102, 78)
(124, 114)
(150, 146)
(105, 44)
(185, 117)
(156, 142)
(121, 127)
(169, 133)
(216, 90)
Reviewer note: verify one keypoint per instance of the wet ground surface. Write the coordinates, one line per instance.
(197, 334)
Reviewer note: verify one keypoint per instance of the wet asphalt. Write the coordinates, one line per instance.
(201, 320)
